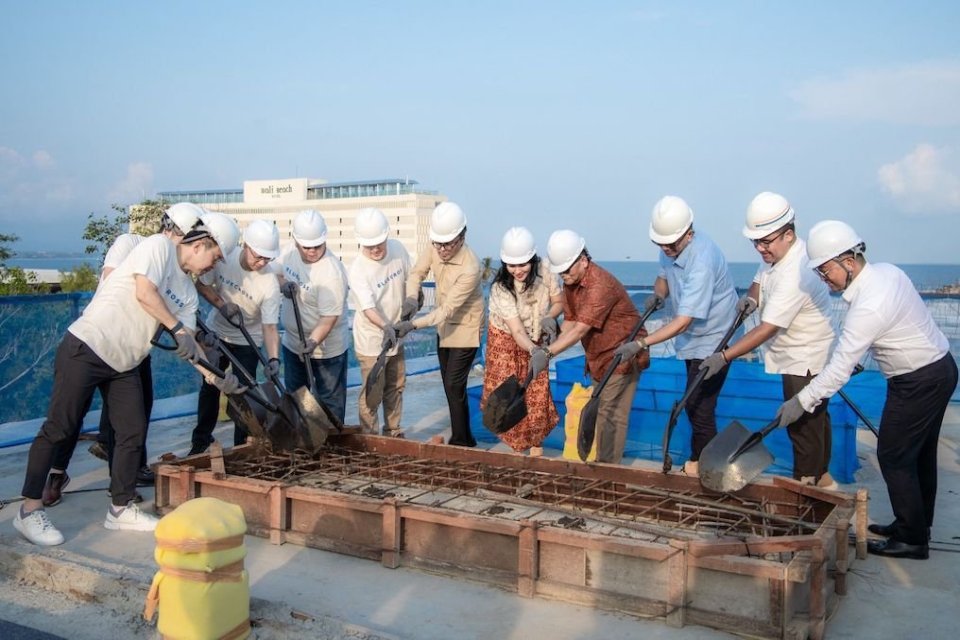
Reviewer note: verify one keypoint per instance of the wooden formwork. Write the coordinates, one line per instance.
(768, 562)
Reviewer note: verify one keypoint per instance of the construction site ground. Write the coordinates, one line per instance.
(93, 586)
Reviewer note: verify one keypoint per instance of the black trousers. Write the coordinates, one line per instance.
(702, 406)
(63, 452)
(208, 400)
(455, 363)
(907, 447)
(811, 435)
(77, 373)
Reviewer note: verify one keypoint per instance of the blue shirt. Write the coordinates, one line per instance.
(701, 288)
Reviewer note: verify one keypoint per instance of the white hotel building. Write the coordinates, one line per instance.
(406, 205)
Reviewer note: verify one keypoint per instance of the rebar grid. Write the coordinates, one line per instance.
(663, 513)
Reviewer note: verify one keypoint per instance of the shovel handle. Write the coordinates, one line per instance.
(303, 356)
(247, 380)
(237, 321)
(657, 303)
(754, 438)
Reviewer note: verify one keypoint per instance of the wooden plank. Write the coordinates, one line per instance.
(621, 546)
(529, 560)
(818, 609)
(833, 497)
(842, 554)
(390, 536)
(754, 567)
(861, 523)
(278, 515)
(677, 586)
(459, 521)
(750, 546)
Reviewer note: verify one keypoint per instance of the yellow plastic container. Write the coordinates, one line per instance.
(202, 591)
(576, 400)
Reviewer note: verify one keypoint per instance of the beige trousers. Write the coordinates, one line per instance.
(392, 380)
(613, 418)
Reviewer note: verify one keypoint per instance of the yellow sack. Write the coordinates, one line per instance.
(576, 400)
(201, 590)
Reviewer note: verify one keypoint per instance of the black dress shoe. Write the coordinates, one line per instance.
(897, 549)
(145, 477)
(885, 530)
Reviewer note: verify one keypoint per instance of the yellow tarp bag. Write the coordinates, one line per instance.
(202, 591)
(576, 400)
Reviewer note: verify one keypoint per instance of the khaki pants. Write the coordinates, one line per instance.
(613, 418)
(392, 380)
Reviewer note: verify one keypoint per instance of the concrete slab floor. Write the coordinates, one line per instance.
(340, 596)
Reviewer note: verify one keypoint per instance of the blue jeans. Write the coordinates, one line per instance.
(330, 377)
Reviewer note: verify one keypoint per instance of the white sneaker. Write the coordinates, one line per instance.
(37, 528)
(130, 518)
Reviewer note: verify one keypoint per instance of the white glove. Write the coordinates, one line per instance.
(790, 411)
(539, 360)
(629, 350)
(550, 327)
(713, 363)
(746, 305)
(187, 347)
(228, 384)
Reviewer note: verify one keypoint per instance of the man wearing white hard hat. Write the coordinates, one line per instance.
(240, 288)
(888, 318)
(316, 276)
(695, 283)
(597, 313)
(458, 314)
(101, 350)
(177, 221)
(795, 328)
(378, 279)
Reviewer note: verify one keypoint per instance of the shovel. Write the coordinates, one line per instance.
(371, 390)
(306, 395)
(736, 456)
(682, 402)
(251, 417)
(506, 406)
(301, 408)
(860, 414)
(586, 430)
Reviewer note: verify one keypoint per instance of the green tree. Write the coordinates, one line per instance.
(83, 278)
(14, 281)
(6, 252)
(101, 231)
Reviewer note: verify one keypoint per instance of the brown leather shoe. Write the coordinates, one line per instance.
(53, 490)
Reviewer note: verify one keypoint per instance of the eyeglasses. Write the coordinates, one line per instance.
(766, 242)
(567, 271)
(256, 258)
(446, 245)
(672, 246)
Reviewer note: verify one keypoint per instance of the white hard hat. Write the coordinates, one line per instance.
(446, 222)
(371, 227)
(563, 249)
(828, 239)
(263, 238)
(309, 229)
(671, 218)
(222, 229)
(517, 246)
(184, 215)
(767, 213)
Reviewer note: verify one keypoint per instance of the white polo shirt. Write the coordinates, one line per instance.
(323, 292)
(795, 299)
(887, 317)
(114, 325)
(381, 285)
(257, 293)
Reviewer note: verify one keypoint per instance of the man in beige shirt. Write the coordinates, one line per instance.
(458, 314)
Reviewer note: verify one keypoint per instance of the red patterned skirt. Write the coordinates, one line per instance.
(503, 359)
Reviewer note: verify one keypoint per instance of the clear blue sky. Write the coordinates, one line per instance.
(546, 114)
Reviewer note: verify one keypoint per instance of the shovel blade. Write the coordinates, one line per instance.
(373, 390)
(505, 407)
(588, 428)
(249, 416)
(314, 426)
(719, 473)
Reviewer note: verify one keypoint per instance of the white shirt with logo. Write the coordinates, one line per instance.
(886, 317)
(322, 292)
(115, 325)
(795, 299)
(257, 293)
(379, 285)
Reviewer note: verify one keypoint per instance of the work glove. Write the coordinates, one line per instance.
(390, 338)
(629, 350)
(789, 412)
(289, 289)
(550, 327)
(187, 347)
(539, 360)
(404, 328)
(746, 305)
(273, 367)
(713, 364)
(308, 346)
(230, 311)
(228, 384)
(409, 308)
(652, 301)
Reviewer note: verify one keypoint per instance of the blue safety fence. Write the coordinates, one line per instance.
(749, 396)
